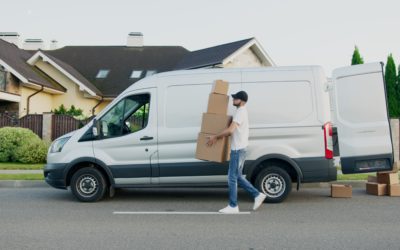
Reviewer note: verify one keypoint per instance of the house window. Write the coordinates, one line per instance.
(2, 80)
(150, 72)
(102, 73)
(136, 74)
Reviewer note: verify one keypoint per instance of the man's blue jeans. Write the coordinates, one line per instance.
(236, 177)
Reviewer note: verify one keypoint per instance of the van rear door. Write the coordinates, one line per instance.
(361, 117)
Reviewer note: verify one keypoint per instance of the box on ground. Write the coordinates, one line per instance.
(218, 104)
(394, 190)
(341, 191)
(214, 123)
(372, 178)
(376, 188)
(387, 178)
(218, 152)
(220, 87)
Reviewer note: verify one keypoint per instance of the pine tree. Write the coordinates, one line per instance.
(391, 87)
(398, 91)
(356, 59)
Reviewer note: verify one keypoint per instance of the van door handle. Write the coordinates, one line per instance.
(146, 138)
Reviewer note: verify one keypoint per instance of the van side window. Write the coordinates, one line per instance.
(127, 116)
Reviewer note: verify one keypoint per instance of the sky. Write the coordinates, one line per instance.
(302, 32)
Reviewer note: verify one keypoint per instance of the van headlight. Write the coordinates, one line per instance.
(58, 144)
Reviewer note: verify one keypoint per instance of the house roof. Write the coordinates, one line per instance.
(15, 60)
(210, 56)
(83, 63)
(75, 75)
(120, 61)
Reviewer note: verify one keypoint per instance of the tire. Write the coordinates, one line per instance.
(88, 185)
(275, 182)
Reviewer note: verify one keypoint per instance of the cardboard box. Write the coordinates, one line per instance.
(218, 104)
(394, 190)
(218, 152)
(387, 178)
(372, 178)
(395, 167)
(341, 191)
(376, 188)
(220, 87)
(214, 123)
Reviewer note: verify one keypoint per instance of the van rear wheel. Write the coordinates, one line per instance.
(275, 182)
(88, 185)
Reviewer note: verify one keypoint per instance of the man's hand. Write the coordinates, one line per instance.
(211, 140)
(227, 132)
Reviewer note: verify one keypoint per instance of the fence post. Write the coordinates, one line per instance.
(47, 126)
(394, 124)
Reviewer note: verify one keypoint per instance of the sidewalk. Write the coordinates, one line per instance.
(21, 171)
(42, 183)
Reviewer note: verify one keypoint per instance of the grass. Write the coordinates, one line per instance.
(353, 177)
(20, 166)
(21, 177)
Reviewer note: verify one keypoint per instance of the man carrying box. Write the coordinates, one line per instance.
(239, 130)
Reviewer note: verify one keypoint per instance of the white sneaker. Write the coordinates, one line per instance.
(229, 210)
(259, 200)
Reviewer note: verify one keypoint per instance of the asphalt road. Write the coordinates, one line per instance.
(46, 218)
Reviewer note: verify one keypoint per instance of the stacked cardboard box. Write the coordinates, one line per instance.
(341, 191)
(214, 122)
(384, 183)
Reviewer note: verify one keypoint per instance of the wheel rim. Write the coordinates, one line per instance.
(273, 185)
(87, 185)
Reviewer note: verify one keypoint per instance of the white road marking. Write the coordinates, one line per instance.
(174, 212)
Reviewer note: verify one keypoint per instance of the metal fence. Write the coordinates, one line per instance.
(32, 122)
(60, 124)
(63, 124)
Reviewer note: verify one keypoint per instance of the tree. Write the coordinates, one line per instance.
(398, 90)
(356, 59)
(391, 87)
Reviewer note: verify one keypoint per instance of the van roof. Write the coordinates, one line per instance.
(145, 82)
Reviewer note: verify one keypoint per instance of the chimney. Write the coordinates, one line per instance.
(53, 45)
(135, 39)
(33, 44)
(11, 37)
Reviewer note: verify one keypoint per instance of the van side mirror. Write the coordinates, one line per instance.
(95, 129)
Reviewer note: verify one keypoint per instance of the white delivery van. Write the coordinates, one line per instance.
(147, 136)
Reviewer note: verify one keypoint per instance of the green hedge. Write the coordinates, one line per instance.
(21, 145)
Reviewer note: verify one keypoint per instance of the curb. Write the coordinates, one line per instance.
(354, 184)
(22, 184)
(43, 184)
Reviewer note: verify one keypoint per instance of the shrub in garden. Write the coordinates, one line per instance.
(21, 145)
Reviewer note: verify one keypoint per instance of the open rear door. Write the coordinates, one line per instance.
(361, 117)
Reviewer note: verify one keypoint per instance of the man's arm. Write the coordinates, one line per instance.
(226, 132)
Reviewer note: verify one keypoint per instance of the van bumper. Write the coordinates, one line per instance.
(54, 175)
(317, 169)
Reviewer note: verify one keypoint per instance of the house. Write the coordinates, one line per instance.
(35, 80)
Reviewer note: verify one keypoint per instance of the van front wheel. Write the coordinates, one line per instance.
(88, 184)
(275, 182)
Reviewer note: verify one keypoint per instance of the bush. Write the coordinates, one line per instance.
(71, 111)
(33, 152)
(21, 145)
